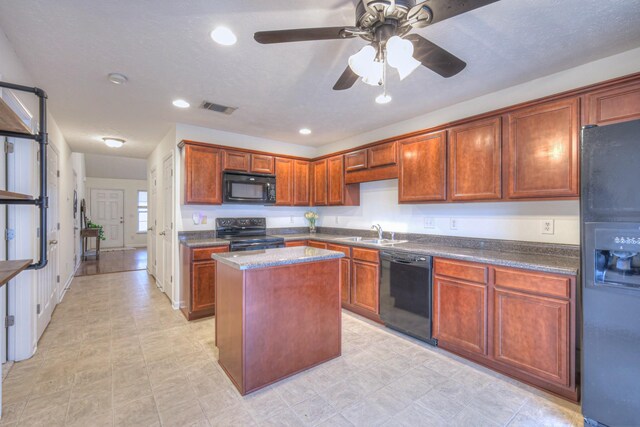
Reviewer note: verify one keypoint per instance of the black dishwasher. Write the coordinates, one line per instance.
(406, 294)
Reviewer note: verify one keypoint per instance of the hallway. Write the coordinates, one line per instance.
(115, 353)
(114, 261)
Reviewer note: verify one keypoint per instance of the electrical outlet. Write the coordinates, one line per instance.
(196, 218)
(291, 219)
(337, 222)
(453, 224)
(547, 226)
(429, 222)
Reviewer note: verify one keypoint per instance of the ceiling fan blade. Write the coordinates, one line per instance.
(434, 57)
(445, 9)
(301, 35)
(346, 80)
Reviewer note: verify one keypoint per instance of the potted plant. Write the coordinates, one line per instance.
(93, 225)
(312, 217)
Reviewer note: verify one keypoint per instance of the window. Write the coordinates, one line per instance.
(143, 211)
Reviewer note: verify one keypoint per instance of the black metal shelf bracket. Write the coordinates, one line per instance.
(41, 202)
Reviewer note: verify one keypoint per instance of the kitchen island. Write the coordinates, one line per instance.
(278, 313)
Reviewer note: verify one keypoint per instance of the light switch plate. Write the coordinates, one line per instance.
(453, 224)
(203, 220)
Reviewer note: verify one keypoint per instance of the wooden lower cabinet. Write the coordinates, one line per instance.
(296, 243)
(364, 286)
(198, 281)
(315, 244)
(461, 320)
(521, 323)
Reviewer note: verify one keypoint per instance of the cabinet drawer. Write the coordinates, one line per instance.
(382, 155)
(370, 255)
(295, 243)
(533, 282)
(204, 254)
(346, 250)
(461, 270)
(319, 245)
(355, 161)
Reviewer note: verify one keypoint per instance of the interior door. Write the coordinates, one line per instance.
(107, 210)
(167, 227)
(153, 224)
(48, 277)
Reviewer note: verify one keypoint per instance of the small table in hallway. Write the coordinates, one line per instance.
(85, 235)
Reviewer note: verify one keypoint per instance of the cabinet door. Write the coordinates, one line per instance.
(365, 286)
(475, 161)
(460, 314)
(613, 105)
(315, 244)
(531, 333)
(355, 160)
(319, 182)
(345, 280)
(295, 243)
(261, 163)
(284, 182)
(203, 285)
(382, 155)
(336, 181)
(301, 186)
(203, 185)
(422, 171)
(542, 152)
(236, 161)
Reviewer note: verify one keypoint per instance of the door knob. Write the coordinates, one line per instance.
(53, 242)
(162, 233)
(150, 229)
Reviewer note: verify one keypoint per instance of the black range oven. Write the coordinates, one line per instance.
(247, 234)
(248, 188)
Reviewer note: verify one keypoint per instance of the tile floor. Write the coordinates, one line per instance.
(113, 261)
(115, 353)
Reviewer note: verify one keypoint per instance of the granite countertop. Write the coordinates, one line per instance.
(204, 242)
(275, 257)
(531, 261)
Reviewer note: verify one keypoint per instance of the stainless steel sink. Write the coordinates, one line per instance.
(383, 242)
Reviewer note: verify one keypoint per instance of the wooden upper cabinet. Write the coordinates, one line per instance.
(261, 163)
(319, 177)
(202, 175)
(542, 151)
(422, 170)
(284, 181)
(355, 160)
(335, 195)
(301, 183)
(236, 161)
(475, 161)
(612, 105)
(382, 155)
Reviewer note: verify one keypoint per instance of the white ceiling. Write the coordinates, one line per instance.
(101, 166)
(163, 46)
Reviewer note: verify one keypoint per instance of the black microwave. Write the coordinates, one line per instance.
(248, 188)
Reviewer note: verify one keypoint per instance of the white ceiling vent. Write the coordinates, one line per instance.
(217, 107)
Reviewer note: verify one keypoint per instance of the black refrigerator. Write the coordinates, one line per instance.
(610, 217)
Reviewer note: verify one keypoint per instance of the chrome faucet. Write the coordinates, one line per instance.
(378, 228)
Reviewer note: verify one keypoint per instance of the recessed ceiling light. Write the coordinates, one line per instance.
(224, 36)
(113, 142)
(117, 78)
(305, 131)
(181, 103)
(383, 99)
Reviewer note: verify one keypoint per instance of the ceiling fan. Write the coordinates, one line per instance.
(386, 25)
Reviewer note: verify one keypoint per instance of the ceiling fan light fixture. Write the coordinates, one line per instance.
(113, 142)
(400, 56)
(362, 62)
(374, 74)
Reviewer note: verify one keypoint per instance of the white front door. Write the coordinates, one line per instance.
(48, 277)
(167, 227)
(153, 223)
(107, 210)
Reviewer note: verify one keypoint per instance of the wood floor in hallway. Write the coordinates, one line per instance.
(114, 261)
(116, 353)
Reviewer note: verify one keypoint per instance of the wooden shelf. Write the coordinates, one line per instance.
(10, 269)
(14, 196)
(9, 120)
